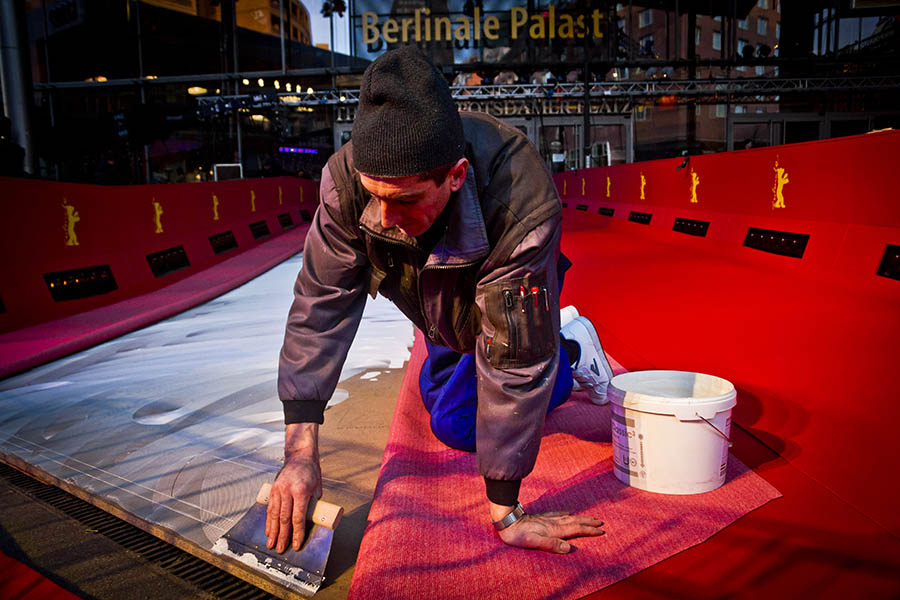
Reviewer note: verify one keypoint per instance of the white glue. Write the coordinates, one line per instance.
(670, 430)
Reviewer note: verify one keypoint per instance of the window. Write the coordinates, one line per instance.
(741, 44)
(760, 109)
(742, 23)
(276, 23)
(645, 17)
(717, 19)
(647, 44)
(294, 34)
(762, 26)
(738, 109)
(778, 31)
(760, 70)
(697, 37)
(641, 113)
(621, 24)
(719, 111)
(763, 4)
(717, 40)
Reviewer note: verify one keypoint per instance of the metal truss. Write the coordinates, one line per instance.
(755, 89)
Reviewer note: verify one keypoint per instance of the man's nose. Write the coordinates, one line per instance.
(389, 215)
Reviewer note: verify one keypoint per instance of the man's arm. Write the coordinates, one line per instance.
(328, 302)
(516, 375)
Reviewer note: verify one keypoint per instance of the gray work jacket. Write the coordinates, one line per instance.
(489, 286)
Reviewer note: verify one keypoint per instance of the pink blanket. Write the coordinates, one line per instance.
(429, 534)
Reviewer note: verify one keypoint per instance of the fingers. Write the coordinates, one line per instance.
(272, 510)
(285, 514)
(575, 526)
(546, 543)
(298, 519)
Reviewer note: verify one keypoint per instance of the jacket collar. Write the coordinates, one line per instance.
(463, 241)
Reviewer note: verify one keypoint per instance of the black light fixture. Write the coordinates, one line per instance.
(764, 50)
(747, 52)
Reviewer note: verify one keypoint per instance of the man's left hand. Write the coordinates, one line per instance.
(549, 531)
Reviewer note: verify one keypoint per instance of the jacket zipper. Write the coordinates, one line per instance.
(510, 326)
(432, 330)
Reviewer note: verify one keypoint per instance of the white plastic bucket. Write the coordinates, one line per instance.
(670, 430)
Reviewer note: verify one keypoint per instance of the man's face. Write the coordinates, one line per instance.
(412, 205)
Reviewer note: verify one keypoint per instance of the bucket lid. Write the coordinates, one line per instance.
(684, 394)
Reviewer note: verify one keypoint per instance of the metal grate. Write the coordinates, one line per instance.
(259, 229)
(168, 261)
(80, 283)
(640, 217)
(223, 242)
(785, 243)
(179, 563)
(606, 211)
(890, 262)
(691, 227)
(581, 207)
(285, 221)
(305, 215)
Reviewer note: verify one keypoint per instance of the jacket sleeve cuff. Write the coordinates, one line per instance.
(502, 491)
(303, 411)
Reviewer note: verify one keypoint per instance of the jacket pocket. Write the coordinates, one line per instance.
(376, 276)
(519, 310)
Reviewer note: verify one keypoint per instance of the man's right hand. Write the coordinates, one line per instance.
(298, 481)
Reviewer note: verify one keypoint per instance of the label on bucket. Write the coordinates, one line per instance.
(660, 453)
(628, 448)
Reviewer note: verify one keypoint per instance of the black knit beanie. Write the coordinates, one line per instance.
(406, 122)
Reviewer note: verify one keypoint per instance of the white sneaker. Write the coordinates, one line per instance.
(567, 315)
(592, 372)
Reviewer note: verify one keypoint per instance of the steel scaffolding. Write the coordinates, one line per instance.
(717, 90)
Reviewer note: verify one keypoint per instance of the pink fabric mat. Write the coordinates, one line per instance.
(428, 533)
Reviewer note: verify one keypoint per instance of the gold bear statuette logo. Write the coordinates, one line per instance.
(781, 180)
(695, 183)
(157, 216)
(71, 219)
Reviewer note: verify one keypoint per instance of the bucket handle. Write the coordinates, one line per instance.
(725, 437)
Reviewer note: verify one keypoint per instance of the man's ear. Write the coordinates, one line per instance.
(458, 174)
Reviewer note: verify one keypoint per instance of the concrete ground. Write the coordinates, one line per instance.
(352, 442)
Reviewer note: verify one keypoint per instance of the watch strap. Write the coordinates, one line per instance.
(514, 515)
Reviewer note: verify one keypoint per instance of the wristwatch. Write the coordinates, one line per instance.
(514, 515)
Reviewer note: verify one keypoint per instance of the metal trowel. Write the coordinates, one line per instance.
(301, 571)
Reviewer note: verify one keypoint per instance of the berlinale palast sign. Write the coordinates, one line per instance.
(422, 26)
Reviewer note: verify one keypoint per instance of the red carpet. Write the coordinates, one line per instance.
(813, 352)
(429, 536)
(18, 581)
(26, 348)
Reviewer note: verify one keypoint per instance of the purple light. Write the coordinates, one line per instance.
(298, 150)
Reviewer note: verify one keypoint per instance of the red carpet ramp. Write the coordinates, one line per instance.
(429, 536)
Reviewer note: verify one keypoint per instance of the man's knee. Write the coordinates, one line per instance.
(456, 433)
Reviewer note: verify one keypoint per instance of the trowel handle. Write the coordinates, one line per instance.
(319, 512)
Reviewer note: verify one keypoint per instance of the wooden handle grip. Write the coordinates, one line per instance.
(319, 512)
